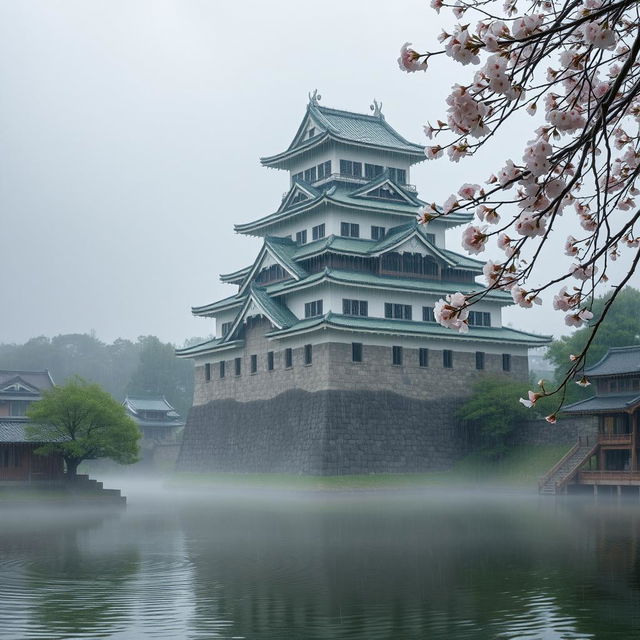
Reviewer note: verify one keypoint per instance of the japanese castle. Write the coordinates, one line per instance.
(339, 302)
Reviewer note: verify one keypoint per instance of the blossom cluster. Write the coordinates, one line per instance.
(575, 67)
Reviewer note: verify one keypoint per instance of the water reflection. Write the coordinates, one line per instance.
(316, 567)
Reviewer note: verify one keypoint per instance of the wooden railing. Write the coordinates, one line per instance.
(614, 477)
(614, 438)
(583, 441)
(573, 470)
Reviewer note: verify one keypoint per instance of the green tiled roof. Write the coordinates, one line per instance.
(617, 361)
(414, 328)
(207, 347)
(383, 178)
(277, 312)
(235, 276)
(225, 303)
(342, 197)
(609, 402)
(285, 249)
(347, 127)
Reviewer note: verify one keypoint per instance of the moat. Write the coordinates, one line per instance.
(400, 565)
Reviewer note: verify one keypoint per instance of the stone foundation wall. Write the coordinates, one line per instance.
(565, 431)
(323, 433)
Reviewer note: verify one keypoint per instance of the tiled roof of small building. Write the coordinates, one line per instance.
(617, 361)
(608, 402)
(40, 380)
(155, 403)
(16, 431)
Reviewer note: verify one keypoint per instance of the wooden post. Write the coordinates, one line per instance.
(634, 434)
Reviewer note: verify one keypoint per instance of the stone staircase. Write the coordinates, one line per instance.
(86, 489)
(556, 479)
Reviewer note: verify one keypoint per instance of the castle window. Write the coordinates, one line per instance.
(288, 358)
(398, 175)
(269, 360)
(397, 311)
(254, 363)
(384, 192)
(506, 362)
(301, 237)
(297, 176)
(423, 357)
(356, 351)
(310, 175)
(207, 373)
(377, 233)
(226, 326)
(222, 369)
(308, 354)
(318, 232)
(238, 366)
(349, 168)
(324, 170)
(479, 318)
(372, 170)
(396, 355)
(349, 230)
(355, 307)
(313, 309)
(479, 360)
(427, 314)
(447, 359)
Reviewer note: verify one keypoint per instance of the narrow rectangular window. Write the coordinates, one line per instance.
(479, 360)
(313, 309)
(310, 175)
(288, 358)
(407, 312)
(222, 369)
(479, 318)
(301, 237)
(254, 363)
(355, 307)
(346, 167)
(270, 360)
(401, 176)
(377, 233)
(364, 308)
(297, 176)
(308, 354)
(327, 168)
(356, 351)
(506, 362)
(423, 357)
(318, 232)
(427, 314)
(396, 355)
(447, 359)
(388, 310)
(355, 230)
(207, 372)
(344, 229)
(238, 366)
(372, 170)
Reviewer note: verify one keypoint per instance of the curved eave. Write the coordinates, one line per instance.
(205, 348)
(211, 309)
(281, 160)
(236, 277)
(415, 329)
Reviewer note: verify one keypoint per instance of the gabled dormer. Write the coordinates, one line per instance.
(385, 188)
(17, 386)
(300, 192)
(273, 264)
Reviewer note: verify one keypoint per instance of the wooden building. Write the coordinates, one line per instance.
(607, 461)
(18, 462)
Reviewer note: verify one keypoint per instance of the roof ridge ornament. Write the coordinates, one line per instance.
(314, 97)
(376, 107)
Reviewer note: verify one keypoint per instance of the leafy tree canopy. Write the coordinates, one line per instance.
(81, 421)
(493, 412)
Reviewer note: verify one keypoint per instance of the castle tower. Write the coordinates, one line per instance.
(327, 359)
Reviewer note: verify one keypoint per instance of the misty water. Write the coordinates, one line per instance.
(393, 565)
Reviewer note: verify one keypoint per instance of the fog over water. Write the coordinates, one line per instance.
(130, 136)
(353, 565)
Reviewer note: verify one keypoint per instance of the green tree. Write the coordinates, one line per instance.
(620, 327)
(493, 412)
(81, 421)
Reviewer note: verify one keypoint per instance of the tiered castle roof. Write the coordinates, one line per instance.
(332, 258)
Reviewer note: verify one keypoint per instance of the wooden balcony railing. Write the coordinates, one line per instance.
(609, 477)
(614, 438)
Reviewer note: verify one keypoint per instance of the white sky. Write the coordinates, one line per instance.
(130, 133)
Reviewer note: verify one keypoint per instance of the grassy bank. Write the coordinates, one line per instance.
(520, 468)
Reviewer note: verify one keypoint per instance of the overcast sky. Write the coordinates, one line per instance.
(130, 133)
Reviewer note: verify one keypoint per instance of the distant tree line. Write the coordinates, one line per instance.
(144, 367)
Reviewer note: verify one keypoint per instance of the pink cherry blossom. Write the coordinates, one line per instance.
(570, 248)
(578, 319)
(451, 314)
(532, 398)
(474, 239)
(433, 152)
(409, 59)
(468, 191)
(583, 272)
